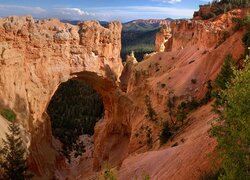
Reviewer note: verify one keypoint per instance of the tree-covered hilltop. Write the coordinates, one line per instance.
(138, 37)
(234, 3)
(217, 7)
(74, 110)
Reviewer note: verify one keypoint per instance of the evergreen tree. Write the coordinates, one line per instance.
(224, 78)
(13, 162)
(226, 73)
(151, 114)
(232, 131)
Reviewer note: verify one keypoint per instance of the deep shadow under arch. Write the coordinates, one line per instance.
(74, 110)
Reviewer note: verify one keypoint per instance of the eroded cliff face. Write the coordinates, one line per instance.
(197, 51)
(36, 56)
(203, 33)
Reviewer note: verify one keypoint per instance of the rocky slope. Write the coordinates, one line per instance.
(36, 56)
(196, 51)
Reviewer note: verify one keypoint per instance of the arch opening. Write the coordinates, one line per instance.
(74, 110)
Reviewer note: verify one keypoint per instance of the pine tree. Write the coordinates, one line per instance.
(226, 73)
(232, 130)
(151, 114)
(13, 162)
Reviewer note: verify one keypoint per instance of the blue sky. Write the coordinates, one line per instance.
(106, 10)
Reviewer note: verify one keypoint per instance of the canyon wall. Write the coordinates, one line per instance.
(203, 33)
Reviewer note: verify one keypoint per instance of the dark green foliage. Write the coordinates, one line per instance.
(165, 134)
(226, 73)
(232, 129)
(181, 115)
(108, 174)
(74, 110)
(138, 37)
(223, 79)
(151, 114)
(12, 153)
(238, 24)
(246, 39)
(170, 106)
(233, 3)
(223, 6)
(208, 94)
(149, 137)
(208, 16)
(8, 114)
(210, 175)
(194, 81)
(225, 36)
(163, 85)
(192, 105)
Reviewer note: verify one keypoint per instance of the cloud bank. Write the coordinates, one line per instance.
(102, 13)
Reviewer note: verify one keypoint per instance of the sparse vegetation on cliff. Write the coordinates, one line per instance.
(166, 133)
(217, 7)
(107, 173)
(151, 114)
(226, 73)
(8, 114)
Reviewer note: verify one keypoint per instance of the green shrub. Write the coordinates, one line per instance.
(238, 24)
(165, 134)
(194, 81)
(170, 104)
(149, 137)
(189, 105)
(208, 94)
(151, 114)
(145, 177)
(226, 73)
(8, 114)
(181, 115)
(108, 174)
(210, 175)
(246, 39)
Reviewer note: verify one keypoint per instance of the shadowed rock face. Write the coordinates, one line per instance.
(36, 56)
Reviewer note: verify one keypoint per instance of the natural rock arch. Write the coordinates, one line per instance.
(36, 56)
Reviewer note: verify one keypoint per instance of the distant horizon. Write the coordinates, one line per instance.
(101, 10)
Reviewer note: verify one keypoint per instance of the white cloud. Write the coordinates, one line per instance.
(168, 1)
(102, 13)
(70, 14)
(143, 12)
(8, 10)
(73, 11)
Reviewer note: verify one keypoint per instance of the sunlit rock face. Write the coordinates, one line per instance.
(205, 34)
(37, 56)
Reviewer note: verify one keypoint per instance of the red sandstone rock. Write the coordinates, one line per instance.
(36, 56)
